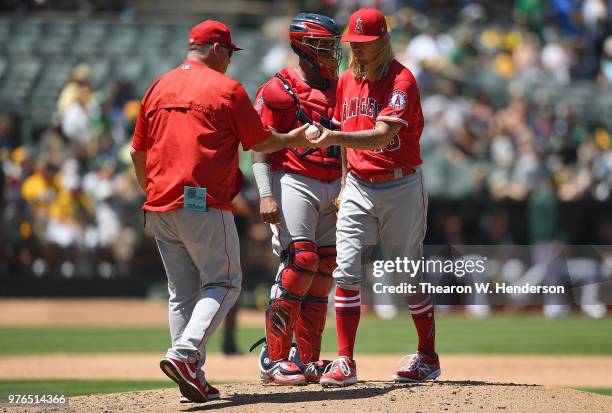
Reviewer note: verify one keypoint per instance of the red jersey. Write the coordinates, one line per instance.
(278, 110)
(190, 124)
(394, 99)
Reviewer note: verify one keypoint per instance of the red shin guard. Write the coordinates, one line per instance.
(281, 317)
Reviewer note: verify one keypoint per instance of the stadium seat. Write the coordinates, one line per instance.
(602, 106)
(120, 41)
(19, 80)
(101, 69)
(158, 65)
(21, 45)
(28, 28)
(60, 28)
(152, 40)
(24, 37)
(88, 39)
(129, 69)
(92, 28)
(5, 30)
(58, 37)
(54, 76)
(3, 67)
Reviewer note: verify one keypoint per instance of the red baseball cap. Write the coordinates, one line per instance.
(211, 31)
(365, 25)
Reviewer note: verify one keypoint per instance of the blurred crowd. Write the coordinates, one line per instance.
(503, 140)
(70, 203)
(70, 200)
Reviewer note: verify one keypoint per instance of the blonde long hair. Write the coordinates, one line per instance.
(377, 68)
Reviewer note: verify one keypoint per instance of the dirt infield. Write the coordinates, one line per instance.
(442, 396)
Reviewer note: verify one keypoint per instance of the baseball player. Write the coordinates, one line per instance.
(184, 151)
(298, 187)
(383, 199)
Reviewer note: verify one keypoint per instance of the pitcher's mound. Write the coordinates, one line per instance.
(440, 396)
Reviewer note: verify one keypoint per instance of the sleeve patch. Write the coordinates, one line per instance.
(398, 100)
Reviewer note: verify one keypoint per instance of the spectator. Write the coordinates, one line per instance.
(70, 93)
(605, 71)
(119, 110)
(76, 122)
(9, 133)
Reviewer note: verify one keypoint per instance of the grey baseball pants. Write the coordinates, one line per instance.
(201, 256)
(393, 214)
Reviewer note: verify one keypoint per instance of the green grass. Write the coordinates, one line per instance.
(607, 391)
(523, 334)
(77, 387)
(29, 340)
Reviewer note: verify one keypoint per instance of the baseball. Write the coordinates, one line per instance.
(312, 132)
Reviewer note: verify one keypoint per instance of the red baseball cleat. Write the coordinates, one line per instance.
(213, 394)
(340, 372)
(420, 367)
(190, 385)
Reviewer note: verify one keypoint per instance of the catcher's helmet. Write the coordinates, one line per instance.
(315, 38)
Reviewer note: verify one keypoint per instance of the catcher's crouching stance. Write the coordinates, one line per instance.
(298, 187)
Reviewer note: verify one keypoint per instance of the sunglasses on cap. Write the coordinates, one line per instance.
(229, 49)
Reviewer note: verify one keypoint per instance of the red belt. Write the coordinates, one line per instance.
(387, 176)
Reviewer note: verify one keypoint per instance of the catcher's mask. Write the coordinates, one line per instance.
(316, 38)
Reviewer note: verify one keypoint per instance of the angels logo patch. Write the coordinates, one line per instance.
(359, 26)
(398, 100)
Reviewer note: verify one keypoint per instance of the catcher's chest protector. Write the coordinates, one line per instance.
(317, 106)
(315, 103)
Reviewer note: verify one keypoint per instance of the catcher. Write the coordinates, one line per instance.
(297, 187)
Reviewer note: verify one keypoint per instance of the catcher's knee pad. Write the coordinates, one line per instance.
(301, 263)
(323, 282)
(327, 259)
(309, 327)
(321, 286)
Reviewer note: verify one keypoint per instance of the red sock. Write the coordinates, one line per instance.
(424, 321)
(348, 311)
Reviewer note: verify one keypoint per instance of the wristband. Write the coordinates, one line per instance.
(261, 171)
